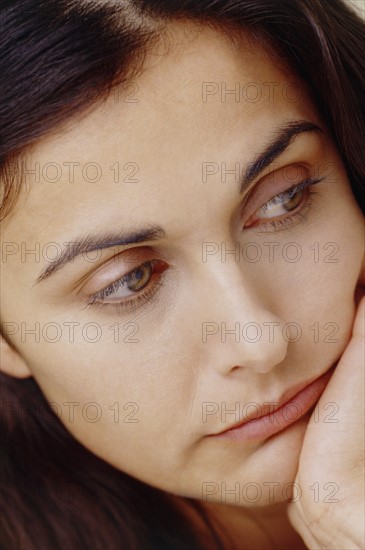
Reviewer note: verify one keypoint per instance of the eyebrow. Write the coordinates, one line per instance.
(90, 243)
(284, 137)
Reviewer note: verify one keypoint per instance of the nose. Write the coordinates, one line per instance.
(237, 329)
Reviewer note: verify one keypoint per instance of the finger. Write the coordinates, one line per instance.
(346, 391)
(359, 323)
(296, 516)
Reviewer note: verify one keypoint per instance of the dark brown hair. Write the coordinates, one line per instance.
(57, 59)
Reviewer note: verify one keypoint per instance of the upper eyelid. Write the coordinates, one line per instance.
(116, 261)
(256, 187)
(141, 299)
(121, 280)
(297, 187)
(255, 192)
(306, 185)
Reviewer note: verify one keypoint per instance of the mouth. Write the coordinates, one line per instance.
(275, 416)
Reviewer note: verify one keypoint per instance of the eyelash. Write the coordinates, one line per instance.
(297, 215)
(141, 297)
(146, 295)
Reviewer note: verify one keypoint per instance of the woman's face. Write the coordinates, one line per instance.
(239, 297)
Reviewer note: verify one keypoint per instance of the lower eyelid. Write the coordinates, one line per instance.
(306, 185)
(289, 221)
(127, 302)
(131, 305)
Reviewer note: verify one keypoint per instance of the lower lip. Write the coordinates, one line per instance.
(287, 414)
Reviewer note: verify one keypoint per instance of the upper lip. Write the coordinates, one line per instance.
(275, 404)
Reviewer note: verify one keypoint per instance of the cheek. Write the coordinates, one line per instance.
(309, 279)
(318, 291)
(123, 405)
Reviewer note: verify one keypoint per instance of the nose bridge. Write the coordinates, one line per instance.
(228, 291)
(237, 328)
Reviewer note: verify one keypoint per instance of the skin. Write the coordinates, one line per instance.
(169, 373)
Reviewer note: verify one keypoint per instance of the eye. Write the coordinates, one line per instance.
(281, 208)
(137, 285)
(281, 204)
(135, 280)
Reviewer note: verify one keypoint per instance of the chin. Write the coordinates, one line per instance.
(264, 477)
(276, 464)
(279, 459)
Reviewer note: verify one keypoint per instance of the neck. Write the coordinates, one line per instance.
(239, 528)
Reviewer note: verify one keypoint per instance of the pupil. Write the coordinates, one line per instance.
(293, 202)
(140, 278)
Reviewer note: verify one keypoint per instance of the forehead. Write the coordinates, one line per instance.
(200, 97)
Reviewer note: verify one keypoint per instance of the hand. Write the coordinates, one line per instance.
(333, 453)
